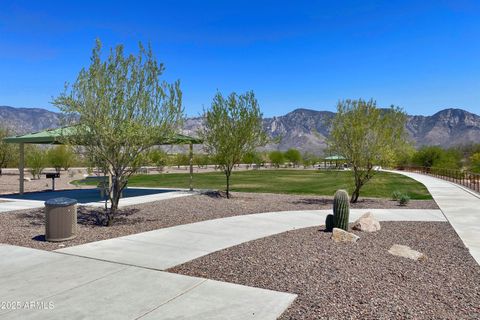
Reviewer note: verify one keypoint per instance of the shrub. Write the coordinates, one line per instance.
(276, 158)
(404, 199)
(293, 156)
(475, 162)
(435, 156)
(201, 160)
(36, 160)
(396, 195)
(181, 159)
(60, 157)
(158, 158)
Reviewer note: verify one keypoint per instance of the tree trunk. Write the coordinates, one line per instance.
(355, 195)
(358, 185)
(115, 194)
(227, 173)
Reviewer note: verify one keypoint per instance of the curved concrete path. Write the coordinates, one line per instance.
(460, 206)
(122, 279)
(165, 248)
(36, 284)
(15, 202)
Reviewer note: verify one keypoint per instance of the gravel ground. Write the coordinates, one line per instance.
(26, 227)
(9, 181)
(356, 281)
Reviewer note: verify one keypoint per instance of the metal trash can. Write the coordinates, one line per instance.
(60, 219)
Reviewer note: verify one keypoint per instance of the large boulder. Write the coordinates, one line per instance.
(340, 235)
(366, 223)
(406, 252)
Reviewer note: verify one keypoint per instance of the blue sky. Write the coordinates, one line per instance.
(421, 55)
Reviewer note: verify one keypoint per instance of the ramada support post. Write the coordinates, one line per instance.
(21, 168)
(191, 166)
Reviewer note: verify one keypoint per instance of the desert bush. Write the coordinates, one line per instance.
(435, 156)
(181, 159)
(36, 161)
(60, 157)
(276, 158)
(403, 200)
(158, 158)
(293, 156)
(396, 195)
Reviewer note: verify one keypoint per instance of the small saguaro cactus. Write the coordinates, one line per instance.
(341, 209)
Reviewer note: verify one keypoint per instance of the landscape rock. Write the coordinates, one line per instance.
(406, 252)
(366, 223)
(339, 235)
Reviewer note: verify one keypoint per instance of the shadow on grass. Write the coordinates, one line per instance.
(321, 201)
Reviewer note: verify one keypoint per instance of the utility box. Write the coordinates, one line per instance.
(60, 219)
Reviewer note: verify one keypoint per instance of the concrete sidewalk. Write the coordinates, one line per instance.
(460, 206)
(121, 278)
(48, 285)
(8, 204)
(165, 248)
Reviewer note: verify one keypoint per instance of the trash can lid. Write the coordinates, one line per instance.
(60, 202)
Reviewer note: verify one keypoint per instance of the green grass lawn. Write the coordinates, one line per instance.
(287, 181)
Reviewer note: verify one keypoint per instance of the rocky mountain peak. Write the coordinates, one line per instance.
(303, 129)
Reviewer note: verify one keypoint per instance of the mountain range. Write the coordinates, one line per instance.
(303, 129)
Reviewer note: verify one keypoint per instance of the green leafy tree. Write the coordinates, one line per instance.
(124, 109)
(435, 156)
(427, 156)
(293, 156)
(252, 158)
(233, 128)
(367, 136)
(8, 151)
(181, 159)
(158, 158)
(404, 155)
(309, 159)
(60, 157)
(475, 162)
(451, 159)
(276, 158)
(36, 160)
(201, 160)
(263, 158)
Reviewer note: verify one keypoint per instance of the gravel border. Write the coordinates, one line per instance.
(356, 281)
(26, 227)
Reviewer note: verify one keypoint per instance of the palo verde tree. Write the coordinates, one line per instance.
(276, 158)
(60, 157)
(124, 109)
(475, 162)
(367, 136)
(232, 128)
(7, 150)
(293, 156)
(36, 160)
